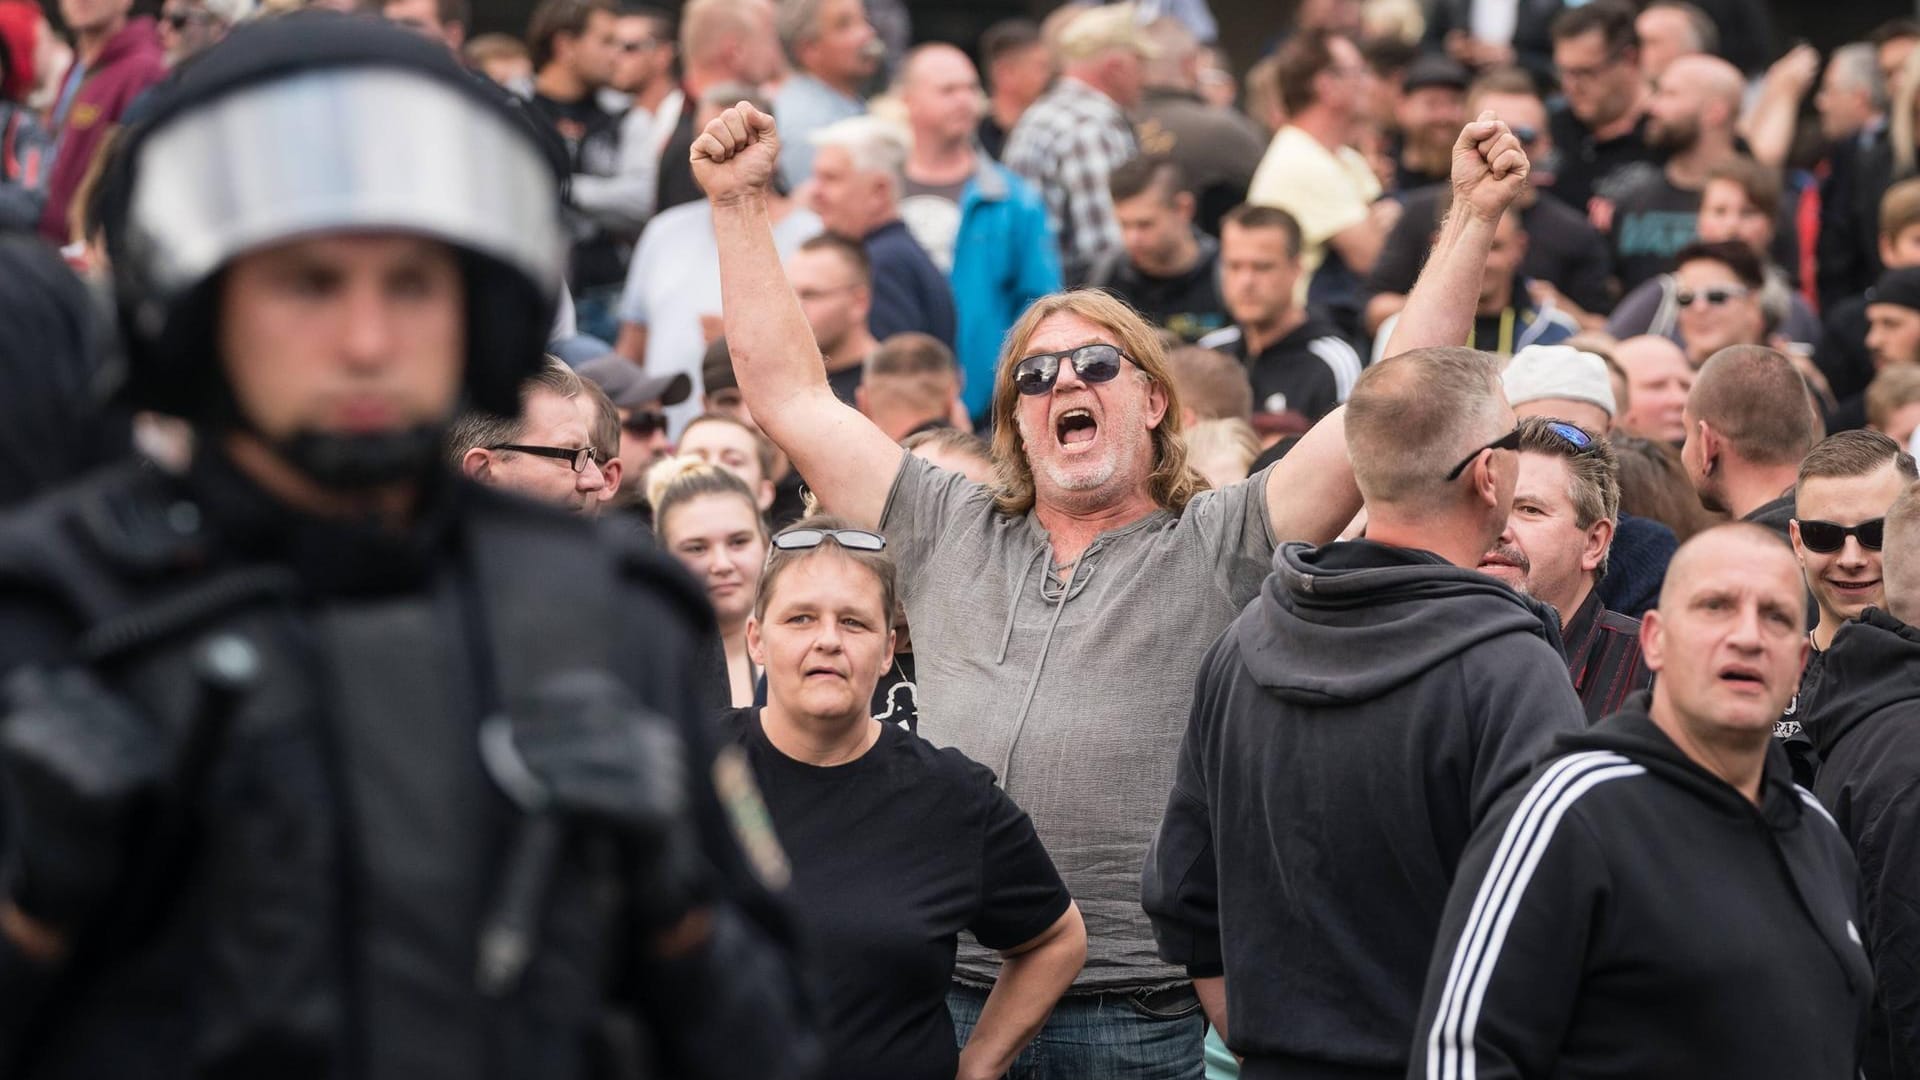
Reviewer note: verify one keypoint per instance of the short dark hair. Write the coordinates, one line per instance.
(1252, 216)
(1757, 399)
(1855, 453)
(1733, 254)
(1149, 171)
(1006, 37)
(1298, 63)
(1389, 55)
(1611, 19)
(1894, 30)
(854, 254)
(555, 17)
(1761, 184)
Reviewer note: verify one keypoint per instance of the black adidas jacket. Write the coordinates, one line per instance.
(1625, 913)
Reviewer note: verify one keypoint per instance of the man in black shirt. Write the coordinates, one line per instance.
(1432, 106)
(1602, 126)
(721, 41)
(1564, 252)
(1166, 268)
(834, 281)
(1295, 361)
(575, 45)
(1748, 425)
(1650, 213)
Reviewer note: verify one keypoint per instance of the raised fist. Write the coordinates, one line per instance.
(734, 157)
(1489, 167)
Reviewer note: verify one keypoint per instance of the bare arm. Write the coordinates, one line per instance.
(1311, 494)
(844, 459)
(1032, 978)
(1768, 126)
(1213, 1001)
(1489, 170)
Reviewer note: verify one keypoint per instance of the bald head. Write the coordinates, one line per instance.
(1753, 548)
(1705, 78)
(930, 60)
(941, 92)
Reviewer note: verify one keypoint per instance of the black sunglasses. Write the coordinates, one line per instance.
(1092, 363)
(851, 539)
(1826, 537)
(1509, 441)
(649, 422)
(1714, 295)
(577, 457)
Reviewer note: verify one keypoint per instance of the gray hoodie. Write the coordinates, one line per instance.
(1347, 734)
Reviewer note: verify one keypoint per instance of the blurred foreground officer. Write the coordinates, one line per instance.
(1659, 900)
(314, 765)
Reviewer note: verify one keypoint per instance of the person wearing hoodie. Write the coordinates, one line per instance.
(1846, 484)
(1658, 900)
(1350, 730)
(115, 60)
(1093, 539)
(1865, 721)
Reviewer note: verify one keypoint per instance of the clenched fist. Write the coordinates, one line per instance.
(734, 157)
(1489, 167)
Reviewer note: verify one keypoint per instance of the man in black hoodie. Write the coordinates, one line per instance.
(1865, 719)
(1348, 732)
(1659, 901)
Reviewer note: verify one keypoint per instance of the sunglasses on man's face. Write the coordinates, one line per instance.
(1094, 364)
(1714, 295)
(645, 423)
(1509, 441)
(1827, 537)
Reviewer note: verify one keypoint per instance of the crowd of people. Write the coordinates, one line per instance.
(733, 542)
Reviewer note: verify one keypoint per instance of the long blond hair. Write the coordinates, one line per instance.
(1173, 482)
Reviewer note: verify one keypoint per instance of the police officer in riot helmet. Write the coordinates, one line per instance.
(316, 761)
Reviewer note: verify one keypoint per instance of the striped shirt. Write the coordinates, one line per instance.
(1068, 144)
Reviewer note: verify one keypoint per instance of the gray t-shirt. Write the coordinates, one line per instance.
(1078, 707)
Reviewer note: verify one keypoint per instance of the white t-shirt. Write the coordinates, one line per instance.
(1327, 192)
(674, 279)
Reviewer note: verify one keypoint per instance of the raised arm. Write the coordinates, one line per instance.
(843, 458)
(1489, 171)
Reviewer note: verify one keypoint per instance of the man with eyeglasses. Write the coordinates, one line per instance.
(1844, 488)
(1040, 605)
(1602, 127)
(545, 453)
(1864, 718)
(1566, 261)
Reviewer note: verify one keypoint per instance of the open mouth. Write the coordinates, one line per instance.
(822, 672)
(1745, 679)
(1075, 427)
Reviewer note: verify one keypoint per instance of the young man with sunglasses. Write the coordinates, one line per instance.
(1041, 606)
(1864, 718)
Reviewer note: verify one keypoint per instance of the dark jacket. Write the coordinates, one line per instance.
(1865, 722)
(1637, 565)
(1626, 913)
(129, 63)
(1603, 656)
(1348, 732)
(309, 901)
(1532, 42)
(909, 292)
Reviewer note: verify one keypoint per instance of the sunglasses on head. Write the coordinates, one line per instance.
(851, 539)
(1714, 295)
(1092, 363)
(1827, 537)
(647, 422)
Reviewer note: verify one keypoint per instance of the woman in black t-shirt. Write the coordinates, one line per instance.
(895, 846)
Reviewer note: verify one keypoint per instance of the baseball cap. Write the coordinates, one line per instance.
(629, 386)
(1433, 70)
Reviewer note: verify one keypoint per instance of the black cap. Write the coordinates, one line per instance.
(1901, 287)
(1435, 70)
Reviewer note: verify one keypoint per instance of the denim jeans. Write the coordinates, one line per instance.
(1110, 1036)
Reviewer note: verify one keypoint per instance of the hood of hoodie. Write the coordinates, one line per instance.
(1632, 732)
(1404, 610)
(1874, 662)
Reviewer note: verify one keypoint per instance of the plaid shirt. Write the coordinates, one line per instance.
(1068, 143)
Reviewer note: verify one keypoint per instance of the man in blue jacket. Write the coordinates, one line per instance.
(981, 223)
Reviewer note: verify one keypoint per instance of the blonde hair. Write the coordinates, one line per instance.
(676, 481)
(1225, 436)
(1173, 482)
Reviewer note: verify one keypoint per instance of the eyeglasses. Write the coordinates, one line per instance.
(648, 422)
(1714, 295)
(1523, 133)
(1827, 537)
(1092, 363)
(851, 539)
(1509, 441)
(575, 456)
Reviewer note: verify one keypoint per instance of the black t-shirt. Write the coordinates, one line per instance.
(1648, 220)
(1582, 164)
(1187, 305)
(893, 855)
(1562, 249)
(845, 381)
(1309, 371)
(592, 136)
